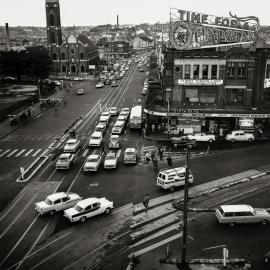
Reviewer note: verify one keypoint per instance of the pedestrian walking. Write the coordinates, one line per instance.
(55, 112)
(103, 150)
(153, 127)
(155, 163)
(153, 154)
(169, 160)
(160, 153)
(147, 157)
(146, 202)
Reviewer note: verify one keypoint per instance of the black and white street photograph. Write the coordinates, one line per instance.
(134, 135)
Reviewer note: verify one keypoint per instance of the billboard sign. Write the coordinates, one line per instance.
(192, 30)
(200, 82)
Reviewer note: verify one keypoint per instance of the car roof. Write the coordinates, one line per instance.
(57, 195)
(94, 156)
(86, 202)
(113, 108)
(65, 155)
(100, 125)
(111, 154)
(120, 123)
(174, 170)
(72, 141)
(115, 136)
(130, 149)
(97, 133)
(236, 208)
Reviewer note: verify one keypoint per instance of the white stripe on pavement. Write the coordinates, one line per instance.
(31, 150)
(20, 152)
(5, 152)
(118, 153)
(14, 151)
(36, 152)
(85, 153)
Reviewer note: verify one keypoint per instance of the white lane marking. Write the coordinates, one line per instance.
(20, 152)
(29, 152)
(19, 241)
(32, 247)
(118, 153)
(14, 151)
(85, 153)
(59, 183)
(36, 152)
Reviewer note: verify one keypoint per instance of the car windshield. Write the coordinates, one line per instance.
(48, 201)
(71, 144)
(95, 137)
(130, 153)
(91, 159)
(110, 157)
(78, 208)
(113, 139)
(63, 159)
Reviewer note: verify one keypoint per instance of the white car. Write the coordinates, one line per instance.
(72, 146)
(118, 128)
(57, 202)
(202, 137)
(96, 139)
(92, 163)
(113, 111)
(99, 85)
(114, 141)
(130, 156)
(106, 115)
(110, 161)
(57, 83)
(65, 161)
(125, 112)
(239, 136)
(88, 208)
(121, 118)
(101, 127)
(80, 91)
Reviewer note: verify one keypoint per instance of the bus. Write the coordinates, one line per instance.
(136, 117)
(104, 75)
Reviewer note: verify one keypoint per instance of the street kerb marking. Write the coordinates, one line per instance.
(54, 254)
(2, 154)
(14, 151)
(17, 217)
(85, 152)
(32, 247)
(20, 152)
(36, 152)
(19, 241)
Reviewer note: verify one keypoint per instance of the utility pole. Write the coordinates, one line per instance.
(185, 207)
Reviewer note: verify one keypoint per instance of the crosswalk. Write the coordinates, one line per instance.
(29, 137)
(16, 153)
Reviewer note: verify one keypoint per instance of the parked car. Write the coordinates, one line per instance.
(101, 127)
(65, 161)
(122, 118)
(72, 146)
(113, 111)
(96, 139)
(88, 208)
(242, 214)
(57, 83)
(202, 137)
(130, 156)
(118, 128)
(239, 136)
(92, 163)
(57, 202)
(80, 91)
(107, 82)
(99, 85)
(110, 161)
(183, 141)
(114, 83)
(114, 141)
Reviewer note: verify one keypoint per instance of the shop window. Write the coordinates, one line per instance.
(72, 51)
(82, 69)
(54, 56)
(267, 74)
(235, 96)
(187, 71)
(205, 72)
(196, 71)
(214, 72)
(64, 69)
(52, 37)
(207, 95)
(241, 72)
(230, 69)
(63, 56)
(191, 95)
(179, 70)
(81, 56)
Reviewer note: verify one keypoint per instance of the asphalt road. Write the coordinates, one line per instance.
(20, 227)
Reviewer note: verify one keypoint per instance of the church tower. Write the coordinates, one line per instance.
(54, 34)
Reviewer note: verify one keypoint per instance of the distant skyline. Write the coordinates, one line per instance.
(89, 12)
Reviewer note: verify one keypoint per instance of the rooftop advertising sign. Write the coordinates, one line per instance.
(192, 30)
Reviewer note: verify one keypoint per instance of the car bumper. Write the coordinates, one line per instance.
(90, 169)
(130, 161)
(70, 218)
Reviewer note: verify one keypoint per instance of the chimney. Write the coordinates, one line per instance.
(8, 39)
(117, 23)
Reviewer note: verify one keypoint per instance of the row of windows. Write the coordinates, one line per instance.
(63, 56)
(72, 69)
(236, 69)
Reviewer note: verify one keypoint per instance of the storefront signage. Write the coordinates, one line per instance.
(266, 83)
(200, 82)
(193, 30)
(92, 67)
(246, 122)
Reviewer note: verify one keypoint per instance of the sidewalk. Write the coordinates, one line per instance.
(36, 111)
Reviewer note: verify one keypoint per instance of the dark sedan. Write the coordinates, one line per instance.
(183, 141)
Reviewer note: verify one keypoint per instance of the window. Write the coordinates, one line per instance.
(231, 69)
(205, 71)
(192, 95)
(72, 51)
(63, 56)
(196, 71)
(235, 96)
(52, 37)
(214, 72)
(57, 201)
(64, 69)
(54, 56)
(241, 73)
(187, 71)
(51, 19)
(82, 69)
(81, 56)
(73, 69)
(65, 199)
(267, 74)
(207, 95)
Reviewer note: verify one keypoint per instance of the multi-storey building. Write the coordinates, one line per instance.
(114, 49)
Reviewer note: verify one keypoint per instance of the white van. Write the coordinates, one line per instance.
(171, 178)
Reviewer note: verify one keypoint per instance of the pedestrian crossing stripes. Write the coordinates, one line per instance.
(15, 153)
(25, 137)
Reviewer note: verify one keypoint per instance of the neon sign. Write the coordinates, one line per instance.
(193, 30)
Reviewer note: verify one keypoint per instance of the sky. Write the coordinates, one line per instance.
(94, 12)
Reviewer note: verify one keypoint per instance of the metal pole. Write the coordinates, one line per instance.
(185, 206)
(168, 123)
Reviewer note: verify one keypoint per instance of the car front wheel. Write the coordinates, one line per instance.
(264, 222)
(52, 212)
(211, 140)
(82, 219)
(250, 140)
(108, 211)
(232, 140)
